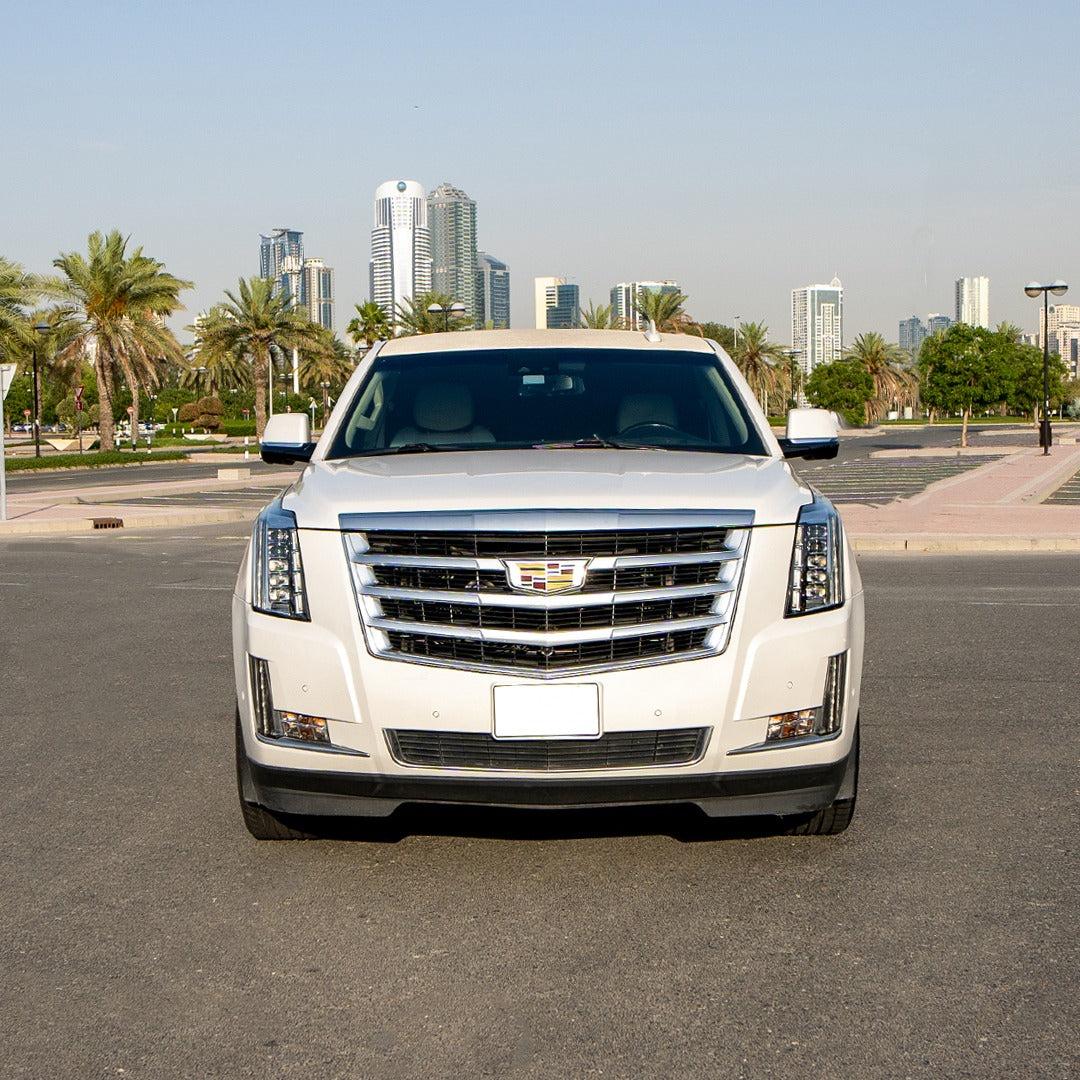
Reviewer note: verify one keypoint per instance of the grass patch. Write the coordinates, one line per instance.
(90, 460)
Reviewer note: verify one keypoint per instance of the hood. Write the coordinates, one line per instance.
(546, 480)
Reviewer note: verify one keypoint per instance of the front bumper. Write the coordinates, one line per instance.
(798, 790)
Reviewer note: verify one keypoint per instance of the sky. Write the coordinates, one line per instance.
(741, 149)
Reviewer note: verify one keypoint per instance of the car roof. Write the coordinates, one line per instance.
(465, 340)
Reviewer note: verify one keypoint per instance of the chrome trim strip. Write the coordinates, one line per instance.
(786, 744)
(540, 602)
(543, 519)
(320, 748)
(553, 639)
(538, 673)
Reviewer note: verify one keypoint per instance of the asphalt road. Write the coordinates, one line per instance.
(143, 933)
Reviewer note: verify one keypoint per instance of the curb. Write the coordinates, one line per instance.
(964, 545)
(61, 526)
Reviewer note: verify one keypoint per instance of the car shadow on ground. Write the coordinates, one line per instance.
(683, 823)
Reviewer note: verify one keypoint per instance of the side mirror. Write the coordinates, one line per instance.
(811, 434)
(287, 439)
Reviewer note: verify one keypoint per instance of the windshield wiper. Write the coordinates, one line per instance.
(406, 448)
(599, 442)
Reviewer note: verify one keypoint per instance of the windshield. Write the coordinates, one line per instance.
(546, 398)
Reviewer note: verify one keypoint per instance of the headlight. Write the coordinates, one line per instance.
(277, 586)
(816, 581)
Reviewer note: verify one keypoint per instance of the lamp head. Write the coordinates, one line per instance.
(1059, 288)
(1033, 288)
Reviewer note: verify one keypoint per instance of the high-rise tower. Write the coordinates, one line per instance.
(318, 287)
(400, 245)
(627, 294)
(493, 291)
(973, 301)
(452, 224)
(817, 324)
(557, 304)
(281, 259)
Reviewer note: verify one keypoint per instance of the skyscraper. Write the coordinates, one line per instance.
(308, 281)
(493, 291)
(452, 223)
(912, 334)
(973, 301)
(1062, 323)
(281, 259)
(625, 295)
(558, 304)
(937, 323)
(817, 324)
(400, 245)
(318, 292)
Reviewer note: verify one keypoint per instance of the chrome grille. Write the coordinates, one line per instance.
(436, 588)
(616, 750)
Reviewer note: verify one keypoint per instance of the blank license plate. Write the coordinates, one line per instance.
(547, 712)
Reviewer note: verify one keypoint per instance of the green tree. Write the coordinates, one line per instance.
(966, 369)
(599, 318)
(1026, 375)
(761, 361)
(335, 366)
(845, 386)
(666, 310)
(257, 324)
(18, 291)
(112, 308)
(724, 336)
(370, 324)
(414, 318)
(884, 363)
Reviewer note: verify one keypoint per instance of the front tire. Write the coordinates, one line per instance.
(263, 824)
(836, 818)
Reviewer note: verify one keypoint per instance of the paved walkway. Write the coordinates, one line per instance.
(999, 506)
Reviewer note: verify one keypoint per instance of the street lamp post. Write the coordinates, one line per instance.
(1058, 288)
(456, 309)
(42, 328)
(735, 334)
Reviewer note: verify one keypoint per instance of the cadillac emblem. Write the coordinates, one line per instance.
(556, 576)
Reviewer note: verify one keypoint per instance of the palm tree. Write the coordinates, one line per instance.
(413, 316)
(210, 369)
(114, 305)
(370, 324)
(17, 291)
(665, 310)
(257, 324)
(599, 318)
(758, 358)
(334, 365)
(885, 365)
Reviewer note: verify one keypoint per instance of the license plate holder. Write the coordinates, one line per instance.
(562, 711)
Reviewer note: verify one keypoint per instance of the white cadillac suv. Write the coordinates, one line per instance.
(547, 569)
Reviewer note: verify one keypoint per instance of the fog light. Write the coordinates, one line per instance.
(277, 723)
(792, 725)
(303, 728)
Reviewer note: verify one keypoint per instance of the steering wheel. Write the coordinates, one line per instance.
(650, 427)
